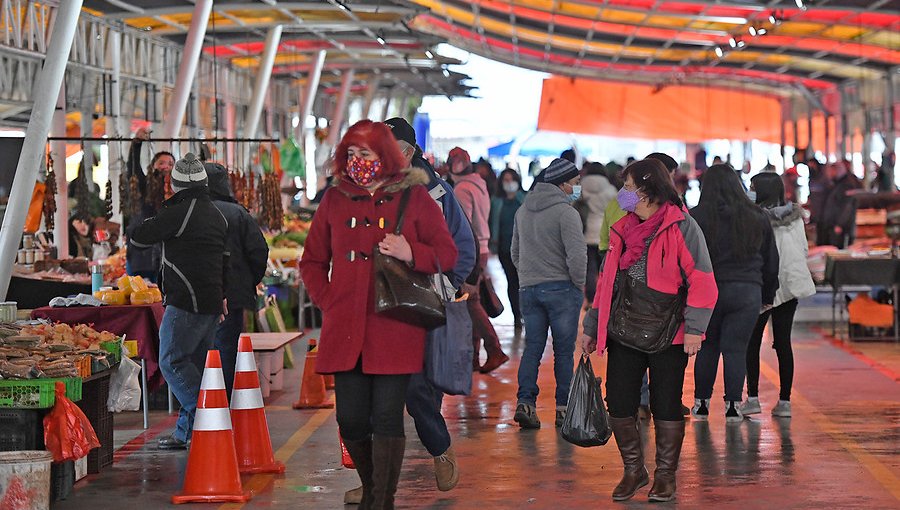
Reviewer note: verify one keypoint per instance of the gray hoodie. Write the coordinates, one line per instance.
(548, 243)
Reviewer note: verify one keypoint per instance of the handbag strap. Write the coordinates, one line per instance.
(401, 210)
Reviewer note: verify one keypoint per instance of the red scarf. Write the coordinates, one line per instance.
(635, 234)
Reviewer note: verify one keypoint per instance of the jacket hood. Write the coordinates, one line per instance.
(595, 184)
(783, 215)
(545, 196)
(219, 188)
(406, 178)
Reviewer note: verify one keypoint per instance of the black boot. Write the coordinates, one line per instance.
(387, 455)
(361, 453)
(669, 436)
(628, 439)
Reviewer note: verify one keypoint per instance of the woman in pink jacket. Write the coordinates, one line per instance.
(654, 299)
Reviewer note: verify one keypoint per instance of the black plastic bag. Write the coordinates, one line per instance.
(587, 421)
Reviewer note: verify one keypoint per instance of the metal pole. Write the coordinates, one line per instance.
(370, 96)
(187, 69)
(784, 162)
(404, 105)
(387, 104)
(58, 153)
(46, 92)
(810, 148)
(263, 73)
(312, 87)
(87, 130)
(844, 131)
(114, 124)
(334, 131)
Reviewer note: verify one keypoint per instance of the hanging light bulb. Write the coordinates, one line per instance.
(719, 52)
(752, 30)
(741, 44)
(732, 42)
(800, 4)
(429, 54)
(762, 31)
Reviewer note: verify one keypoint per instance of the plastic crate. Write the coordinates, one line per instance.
(96, 393)
(62, 478)
(36, 393)
(21, 429)
(114, 348)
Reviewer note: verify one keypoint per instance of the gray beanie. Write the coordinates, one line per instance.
(188, 173)
(560, 171)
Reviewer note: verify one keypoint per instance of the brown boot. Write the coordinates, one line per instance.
(361, 453)
(628, 439)
(669, 436)
(387, 456)
(353, 496)
(476, 358)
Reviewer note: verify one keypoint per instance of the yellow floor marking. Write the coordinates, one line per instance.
(256, 483)
(882, 474)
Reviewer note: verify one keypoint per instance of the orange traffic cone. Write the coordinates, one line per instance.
(312, 389)
(346, 460)
(251, 431)
(212, 470)
(329, 382)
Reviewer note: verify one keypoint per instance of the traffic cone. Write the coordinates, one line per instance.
(329, 382)
(212, 474)
(312, 388)
(251, 431)
(346, 460)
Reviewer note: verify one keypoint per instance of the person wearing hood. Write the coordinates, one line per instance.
(745, 263)
(596, 193)
(471, 191)
(550, 254)
(249, 256)
(193, 279)
(371, 355)
(794, 282)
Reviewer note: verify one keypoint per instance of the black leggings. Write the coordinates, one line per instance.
(782, 323)
(625, 371)
(594, 260)
(512, 283)
(369, 404)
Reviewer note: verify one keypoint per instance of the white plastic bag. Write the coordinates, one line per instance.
(124, 387)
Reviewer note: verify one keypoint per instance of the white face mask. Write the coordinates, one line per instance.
(511, 186)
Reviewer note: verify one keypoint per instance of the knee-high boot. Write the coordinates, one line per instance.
(669, 436)
(387, 456)
(361, 453)
(628, 439)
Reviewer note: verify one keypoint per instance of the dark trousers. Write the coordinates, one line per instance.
(782, 323)
(227, 334)
(369, 404)
(423, 403)
(482, 329)
(626, 368)
(593, 272)
(728, 335)
(512, 284)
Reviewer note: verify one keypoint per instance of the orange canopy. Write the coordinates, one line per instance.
(676, 112)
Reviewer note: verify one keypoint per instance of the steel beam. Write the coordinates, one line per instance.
(263, 74)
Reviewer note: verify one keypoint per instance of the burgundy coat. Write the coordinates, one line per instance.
(345, 232)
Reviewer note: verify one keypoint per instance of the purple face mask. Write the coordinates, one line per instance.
(627, 199)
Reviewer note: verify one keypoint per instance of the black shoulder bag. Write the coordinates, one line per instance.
(643, 318)
(402, 293)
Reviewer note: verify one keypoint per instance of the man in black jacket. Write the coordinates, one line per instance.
(249, 255)
(193, 278)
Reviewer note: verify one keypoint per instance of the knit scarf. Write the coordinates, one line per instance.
(635, 234)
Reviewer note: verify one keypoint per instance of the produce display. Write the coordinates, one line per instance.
(51, 350)
(131, 290)
(271, 214)
(288, 244)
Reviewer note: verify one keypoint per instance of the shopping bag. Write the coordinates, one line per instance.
(489, 300)
(587, 421)
(125, 387)
(68, 434)
(449, 351)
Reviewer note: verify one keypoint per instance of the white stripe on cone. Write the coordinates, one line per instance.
(213, 379)
(246, 399)
(211, 420)
(245, 362)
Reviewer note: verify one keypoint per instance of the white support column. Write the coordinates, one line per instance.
(187, 69)
(58, 153)
(263, 73)
(115, 125)
(46, 92)
(370, 97)
(340, 110)
(312, 87)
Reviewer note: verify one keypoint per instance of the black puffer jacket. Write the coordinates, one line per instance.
(248, 249)
(194, 259)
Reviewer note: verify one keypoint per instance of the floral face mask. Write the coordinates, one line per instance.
(363, 171)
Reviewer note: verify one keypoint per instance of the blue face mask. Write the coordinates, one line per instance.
(576, 193)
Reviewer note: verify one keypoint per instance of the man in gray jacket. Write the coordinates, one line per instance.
(549, 250)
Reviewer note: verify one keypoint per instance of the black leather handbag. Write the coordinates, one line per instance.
(402, 293)
(642, 318)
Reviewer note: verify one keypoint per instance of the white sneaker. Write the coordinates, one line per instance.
(783, 409)
(700, 411)
(732, 413)
(750, 406)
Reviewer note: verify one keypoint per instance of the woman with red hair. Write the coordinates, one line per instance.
(371, 355)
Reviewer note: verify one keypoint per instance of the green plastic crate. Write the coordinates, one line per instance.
(114, 348)
(36, 393)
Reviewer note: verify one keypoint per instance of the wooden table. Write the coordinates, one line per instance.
(268, 349)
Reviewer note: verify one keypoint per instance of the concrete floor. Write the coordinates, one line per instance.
(840, 451)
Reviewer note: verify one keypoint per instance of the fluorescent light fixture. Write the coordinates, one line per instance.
(429, 54)
(719, 52)
(741, 44)
(800, 4)
(732, 42)
(446, 73)
(762, 31)
(752, 30)
(380, 40)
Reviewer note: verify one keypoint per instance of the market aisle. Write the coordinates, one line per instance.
(839, 451)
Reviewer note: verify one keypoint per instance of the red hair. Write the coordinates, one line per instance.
(375, 136)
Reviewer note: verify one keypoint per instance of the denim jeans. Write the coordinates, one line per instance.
(184, 339)
(227, 335)
(557, 306)
(728, 334)
(423, 403)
